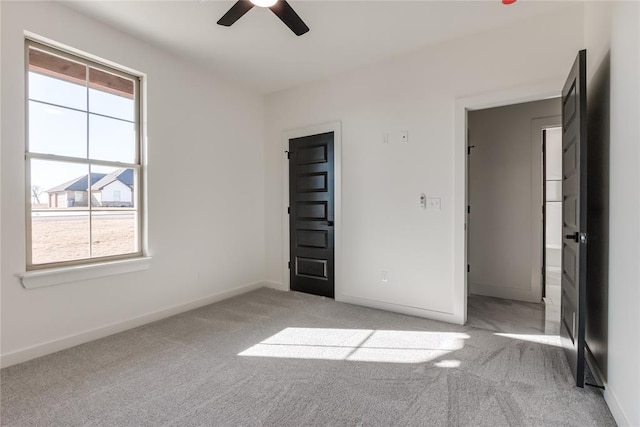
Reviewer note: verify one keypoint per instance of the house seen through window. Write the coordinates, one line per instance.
(83, 160)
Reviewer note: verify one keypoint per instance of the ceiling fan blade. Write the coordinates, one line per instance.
(236, 12)
(285, 12)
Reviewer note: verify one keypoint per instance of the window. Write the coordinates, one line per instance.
(83, 160)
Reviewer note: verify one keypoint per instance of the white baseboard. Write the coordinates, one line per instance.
(25, 354)
(275, 285)
(402, 309)
(616, 410)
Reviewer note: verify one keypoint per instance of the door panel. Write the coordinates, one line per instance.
(311, 214)
(574, 211)
(312, 238)
(311, 210)
(311, 182)
(569, 161)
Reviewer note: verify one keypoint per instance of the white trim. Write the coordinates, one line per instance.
(336, 128)
(537, 181)
(274, 285)
(533, 92)
(616, 410)
(69, 341)
(403, 309)
(56, 276)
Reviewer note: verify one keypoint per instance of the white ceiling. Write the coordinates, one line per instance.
(261, 53)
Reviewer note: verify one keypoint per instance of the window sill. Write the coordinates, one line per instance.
(57, 276)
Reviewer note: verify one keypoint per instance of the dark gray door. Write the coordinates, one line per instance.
(574, 216)
(311, 214)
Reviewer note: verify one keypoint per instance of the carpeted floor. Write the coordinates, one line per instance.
(290, 359)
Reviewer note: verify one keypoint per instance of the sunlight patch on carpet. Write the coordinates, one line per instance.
(447, 364)
(358, 345)
(553, 340)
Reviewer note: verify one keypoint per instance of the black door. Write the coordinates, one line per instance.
(311, 210)
(574, 216)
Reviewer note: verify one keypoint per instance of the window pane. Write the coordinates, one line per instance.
(111, 139)
(116, 188)
(57, 88)
(111, 95)
(56, 130)
(59, 236)
(56, 91)
(113, 233)
(56, 185)
(57, 80)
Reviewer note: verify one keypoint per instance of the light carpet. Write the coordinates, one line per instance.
(290, 359)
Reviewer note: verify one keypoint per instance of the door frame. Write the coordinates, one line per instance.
(533, 92)
(336, 128)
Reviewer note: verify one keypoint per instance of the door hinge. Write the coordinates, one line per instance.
(469, 149)
(468, 209)
(289, 265)
(288, 153)
(289, 210)
(468, 268)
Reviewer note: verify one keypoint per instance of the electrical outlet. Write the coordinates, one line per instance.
(433, 203)
(384, 277)
(404, 136)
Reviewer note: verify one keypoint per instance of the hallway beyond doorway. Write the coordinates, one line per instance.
(516, 317)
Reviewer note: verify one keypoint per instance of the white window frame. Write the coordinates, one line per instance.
(57, 269)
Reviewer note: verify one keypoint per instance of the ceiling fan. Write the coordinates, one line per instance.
(281, 8)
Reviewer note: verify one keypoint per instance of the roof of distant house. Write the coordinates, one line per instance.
(98, 181)
(123, 175)
(77, 184)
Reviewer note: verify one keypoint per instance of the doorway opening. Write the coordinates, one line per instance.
(552, 222)
(509, 264)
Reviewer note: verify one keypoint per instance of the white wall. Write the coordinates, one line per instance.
(107, 195)
(504, 227)
(205, 142)
(384, 228)
(615, 27)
